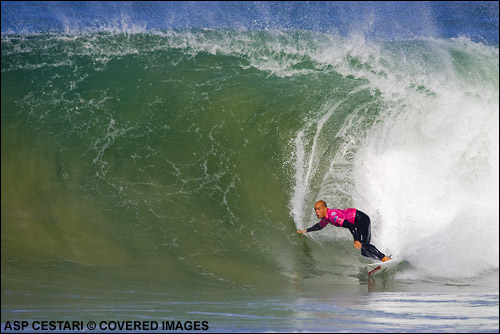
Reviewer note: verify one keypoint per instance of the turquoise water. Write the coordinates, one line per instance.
(162, 175)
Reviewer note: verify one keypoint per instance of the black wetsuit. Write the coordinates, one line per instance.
(361, 232)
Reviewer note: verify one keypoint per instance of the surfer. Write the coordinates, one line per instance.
(356, 221)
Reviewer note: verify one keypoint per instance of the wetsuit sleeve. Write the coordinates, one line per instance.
(315, 227)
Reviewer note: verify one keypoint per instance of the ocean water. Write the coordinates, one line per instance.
(158, 158)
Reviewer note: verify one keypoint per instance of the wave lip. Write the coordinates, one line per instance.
(383, 21)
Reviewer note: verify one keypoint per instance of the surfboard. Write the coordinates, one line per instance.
(380, 267)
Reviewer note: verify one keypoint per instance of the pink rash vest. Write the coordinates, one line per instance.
(337, 217)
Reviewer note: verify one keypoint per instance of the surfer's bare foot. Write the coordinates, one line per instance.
(385, 258)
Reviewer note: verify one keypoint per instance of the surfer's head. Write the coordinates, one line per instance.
(320, 209)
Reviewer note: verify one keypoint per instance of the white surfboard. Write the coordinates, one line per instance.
(380, 267)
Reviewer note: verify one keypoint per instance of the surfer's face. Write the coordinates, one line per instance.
(320, 210)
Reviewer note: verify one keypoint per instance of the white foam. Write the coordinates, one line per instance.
(427, 170)
(430, 173)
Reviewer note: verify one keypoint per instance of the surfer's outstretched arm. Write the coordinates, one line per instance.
(315, 227)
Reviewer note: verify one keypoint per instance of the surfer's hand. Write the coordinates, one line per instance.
(357, 244)
(301, 231)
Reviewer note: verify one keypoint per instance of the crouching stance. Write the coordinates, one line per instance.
(356, 221)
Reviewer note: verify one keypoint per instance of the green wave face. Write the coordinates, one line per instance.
(192, 156)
